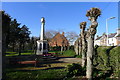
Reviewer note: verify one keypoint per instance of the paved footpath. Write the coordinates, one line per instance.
(70, 60)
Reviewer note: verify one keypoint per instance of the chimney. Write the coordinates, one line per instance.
(97, 36)
(118, 31)
(63, 33)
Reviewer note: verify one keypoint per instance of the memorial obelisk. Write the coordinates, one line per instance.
(42, 44)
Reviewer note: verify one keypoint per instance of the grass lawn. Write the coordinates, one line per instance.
(57, 71)
(16, 54)
(11, 54)
(69, 53)
(29, 52)
(51, 74)
(54, 51)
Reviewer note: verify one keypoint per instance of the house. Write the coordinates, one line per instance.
(59, 40)
(113, 39)
(97, 41)
(118, 37)
(101, 41)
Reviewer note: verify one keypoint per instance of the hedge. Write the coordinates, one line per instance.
(107, 58)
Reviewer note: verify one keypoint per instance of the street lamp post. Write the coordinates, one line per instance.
(107, 27)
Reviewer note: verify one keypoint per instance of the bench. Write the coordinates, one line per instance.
(29, 62)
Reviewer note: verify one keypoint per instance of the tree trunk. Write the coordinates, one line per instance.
(83, 57)
(61, 49)
(92, 14)
(13, 46)
(19, 49)
(80, 47)
(34, 49)
(68, 47)
(23, 47)
(76, 48)
(90, 52)
(64, 48)
(83, 38)
(83, 53)
(3, 55)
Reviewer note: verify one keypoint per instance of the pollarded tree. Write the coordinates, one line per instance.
(84, 42)
(76, 46)
(92, 14)
(80, 46)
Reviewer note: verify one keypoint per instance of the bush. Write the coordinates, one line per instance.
(75, 70)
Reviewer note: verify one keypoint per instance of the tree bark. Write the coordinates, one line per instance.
(19, 49)
(80, 46)
(13, 46)
(61, 49)
(83, 53)
(3, 55)
(93, 14)
(68, 47)
(83, 38)
(90, 52)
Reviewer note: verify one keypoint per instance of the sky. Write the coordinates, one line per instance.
(65, 16)
(60, 0)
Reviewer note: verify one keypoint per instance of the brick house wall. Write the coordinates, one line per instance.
(59, 40)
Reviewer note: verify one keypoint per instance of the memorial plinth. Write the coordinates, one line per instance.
(42, 44)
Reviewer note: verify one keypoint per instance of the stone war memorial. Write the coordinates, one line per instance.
(42, 44)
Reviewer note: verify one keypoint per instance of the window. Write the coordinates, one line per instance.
(118, 38)
(40, 47)
(112, 44)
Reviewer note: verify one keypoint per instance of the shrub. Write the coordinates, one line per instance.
(75, 70)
